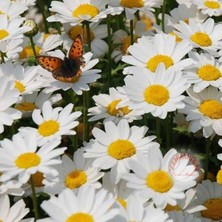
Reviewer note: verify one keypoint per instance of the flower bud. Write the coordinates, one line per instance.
(33, 28)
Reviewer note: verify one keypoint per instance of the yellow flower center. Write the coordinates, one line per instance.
(80, 217)
(111, 109)
(26, 106)
(77, 29)
(160, 181)
(121, 149)
(48, 128)
(212, 4)
(19, 86)
(27, 160)
(127, 42)
(3, 34)
(28, 52)
(211, 108)
(178, 39)
(172, 208)
(75, 179)
(201, 39)
(214, 209)
(37, 179)
(156, 60)
(209, 73)
(148, 22)
(85, 9)
(219, 177)
(122, 202)
(132, 3)
(156, 95)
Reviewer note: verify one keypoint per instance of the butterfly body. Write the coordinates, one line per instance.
(69, 68)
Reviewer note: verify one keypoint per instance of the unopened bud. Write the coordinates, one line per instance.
(33, 26)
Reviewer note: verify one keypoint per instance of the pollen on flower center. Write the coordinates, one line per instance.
(27, 160)
(156, 60)
(37, 179)
(156, 95)
(214, 209)
(85, 9)
(77, 29)
(132, 3)
(121, 149)
(19, 86)
(212, 4)
(3, 34)
(122, 202)
(160, 181)
(127, 42)
(201, 39)
(209, 73)
(48, 128)
(111, 109)
(80, 217)
(211, 108)
(25, 106)
(75, 179)
(28, 52)
(219, 177)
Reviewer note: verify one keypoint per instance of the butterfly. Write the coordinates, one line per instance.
(68, 69)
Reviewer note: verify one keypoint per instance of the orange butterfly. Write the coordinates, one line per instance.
(68, 69)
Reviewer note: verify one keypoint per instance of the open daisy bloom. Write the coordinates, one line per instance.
(153, 178)
(204, 111)
(76, 12)
(85, 205)
(53, 123)
(157, 93)
(21, 157)
(74, 174)
(115, 147)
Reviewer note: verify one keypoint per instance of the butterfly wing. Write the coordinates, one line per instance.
(76, 50)
(49, 62)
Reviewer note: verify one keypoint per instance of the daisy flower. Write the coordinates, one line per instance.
(35, 101)
(97, 33)
(209, 194)
(73, 174)
(22, 157)
(16, 213)
(154, 179)
(85, 205)
(26, 2)
(206, 72)
(8, 96)
(180, 217)
(209, 7)
(24, 78)
(52, 123)
(43, 44)
(76, 12)
(162, 49)
(11, 9)
(80, 84)
(132, 6)
(122, 41)
(157, 93)
(206, 35)
(204, 111)
(107, 107)
(115, 147)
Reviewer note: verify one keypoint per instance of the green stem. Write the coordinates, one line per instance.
(109, 51)
(34, 200)
(41, 4)
(131, 32)
(2, 57)
(33, 46)
(169, 122)
(207, 155)
(163, 15)
(88, 35)
(158, 129)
